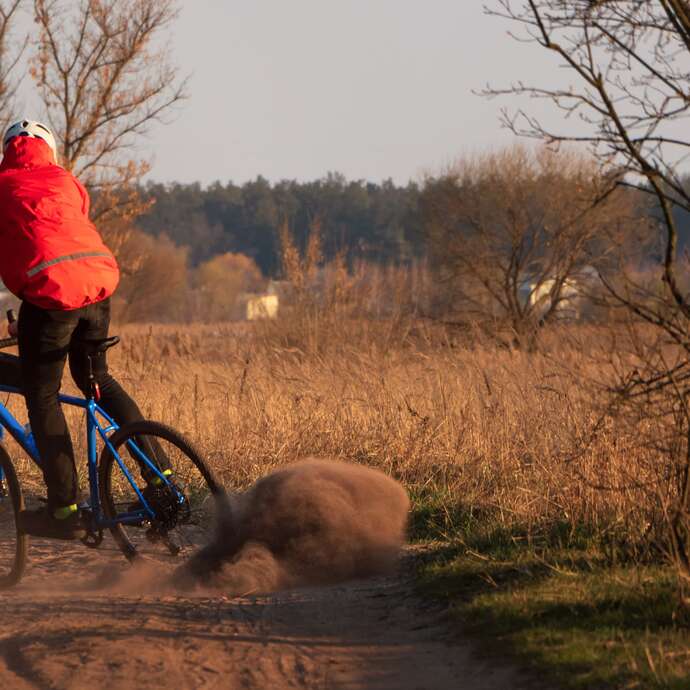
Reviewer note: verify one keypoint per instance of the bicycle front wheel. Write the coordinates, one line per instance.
(13, 545)
(180, 491)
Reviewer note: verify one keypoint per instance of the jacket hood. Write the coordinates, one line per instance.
(26, 152)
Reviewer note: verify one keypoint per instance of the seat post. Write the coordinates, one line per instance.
(94, 388)
(93, 348)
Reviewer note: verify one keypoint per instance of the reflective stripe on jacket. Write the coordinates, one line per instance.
(50, 252)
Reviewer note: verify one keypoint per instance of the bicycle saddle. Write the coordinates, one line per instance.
(100, 345)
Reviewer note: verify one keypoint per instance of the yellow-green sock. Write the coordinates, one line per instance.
(64, 512)
(157, 481)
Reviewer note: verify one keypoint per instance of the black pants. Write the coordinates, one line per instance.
(46, 339)
(10, 371)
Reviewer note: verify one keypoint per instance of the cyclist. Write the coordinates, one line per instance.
(53, 259)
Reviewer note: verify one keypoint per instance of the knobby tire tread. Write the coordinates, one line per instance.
(106, 460)
(22, 543)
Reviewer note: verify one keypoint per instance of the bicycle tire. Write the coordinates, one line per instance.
(12, 556)
(127, 537)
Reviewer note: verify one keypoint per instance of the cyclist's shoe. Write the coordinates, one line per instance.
(42, 522)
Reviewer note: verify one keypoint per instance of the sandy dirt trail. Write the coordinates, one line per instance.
(61, 628)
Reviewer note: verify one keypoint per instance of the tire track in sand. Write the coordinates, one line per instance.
(58, 632)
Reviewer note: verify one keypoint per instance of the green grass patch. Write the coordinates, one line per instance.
(437, 517)
(562, 605)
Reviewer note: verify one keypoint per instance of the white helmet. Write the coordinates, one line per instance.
(30, 128)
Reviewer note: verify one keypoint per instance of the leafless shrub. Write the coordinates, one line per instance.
(326, 305)
(105, 76)
(630, 66)
(518, 236)
(158, 290)
(220, 282)
(11, 52)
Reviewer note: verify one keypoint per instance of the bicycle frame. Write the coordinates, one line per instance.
(94, 429)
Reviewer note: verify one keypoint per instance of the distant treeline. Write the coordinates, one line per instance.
(365, 220)
(376, 222)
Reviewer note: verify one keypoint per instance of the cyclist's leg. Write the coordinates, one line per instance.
(44, 338)
(94, 325)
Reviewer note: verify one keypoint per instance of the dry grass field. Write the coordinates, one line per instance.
(469, 430)
(485, 429)
(495, 446)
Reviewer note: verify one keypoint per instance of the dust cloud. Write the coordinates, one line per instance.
(312, 522)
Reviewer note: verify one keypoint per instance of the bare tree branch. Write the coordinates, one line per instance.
(105, 75)
(520, 232)
(631, 61)
(11, 52)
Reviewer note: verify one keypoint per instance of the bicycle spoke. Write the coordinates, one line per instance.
(175, 486)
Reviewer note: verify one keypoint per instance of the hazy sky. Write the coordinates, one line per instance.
(370, 88)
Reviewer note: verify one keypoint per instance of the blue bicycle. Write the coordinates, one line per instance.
(168, 516)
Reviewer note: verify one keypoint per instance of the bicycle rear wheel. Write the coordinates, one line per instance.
(13, 545)
(184, 504)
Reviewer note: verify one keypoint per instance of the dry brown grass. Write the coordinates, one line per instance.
(482, 428)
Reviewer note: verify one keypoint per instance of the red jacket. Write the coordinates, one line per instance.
(50, 252)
